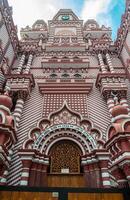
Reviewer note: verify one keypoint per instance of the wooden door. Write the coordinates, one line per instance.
(85, 196)
(27, 196)
(62, 180)
(49, 196)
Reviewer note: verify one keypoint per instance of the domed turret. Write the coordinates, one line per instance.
(119, 109)
(5, 100)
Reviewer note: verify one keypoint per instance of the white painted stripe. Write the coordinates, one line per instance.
(24, 182)
(105, 174)
(3, 180)
(106, 183)
(25, 174)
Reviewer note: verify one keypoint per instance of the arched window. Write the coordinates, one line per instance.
(65, 157)
(53, 75)
(77, 75)
(65, 75)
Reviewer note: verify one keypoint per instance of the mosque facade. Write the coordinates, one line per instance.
(64, 102)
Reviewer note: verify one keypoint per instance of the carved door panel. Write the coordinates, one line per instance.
(65, 158)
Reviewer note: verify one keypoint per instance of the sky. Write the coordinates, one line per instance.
(106, 12)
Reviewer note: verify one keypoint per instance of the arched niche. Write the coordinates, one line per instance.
(65, 156)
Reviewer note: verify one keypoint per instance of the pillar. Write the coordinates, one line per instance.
(110, 63)
(43, 178)
(103, 68)
(32, 176)
(87, 176)
(2, 80)
(29, 64)
(110, 104)
(105, 174)
(18, 111)
(21, 63)
(25, 172)
(3, 180)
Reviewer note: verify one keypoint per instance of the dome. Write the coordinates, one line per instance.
(119, 110)
(91, 24)
(6, 101)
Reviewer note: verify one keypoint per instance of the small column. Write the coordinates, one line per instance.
(22, 60)
(29, 64)
(18, 111)
(3, 179)
(2, 80)
(102, 63)
(43, 179)
(110, 104)
(40, 42)
(124, 103)
(105, 174)
(25, 172)
(110, 63)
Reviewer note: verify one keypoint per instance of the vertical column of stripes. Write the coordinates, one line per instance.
(102, 63)
(18, 111)
(97, 109)
(124, 103)
(105, 178)
(2, 80)
(105, 173)
(22, 60)
(110, 63)
(32, 112)
(110, 104)
(3, 179)
(29, 64)
(25, 175)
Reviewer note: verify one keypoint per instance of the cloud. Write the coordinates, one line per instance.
(26, 12)
(98, 10)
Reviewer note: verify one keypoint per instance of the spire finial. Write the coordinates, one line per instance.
(6, 90)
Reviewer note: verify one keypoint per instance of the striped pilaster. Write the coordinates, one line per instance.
(29, 64)
(32, 112)
(105, 178)
(110, 104)
(2, 80)
(104, 160)
(3, 178)
(110, 63)
(105, 173)
(102, 63)
(24, 176)
(22, 60)
(18, 111)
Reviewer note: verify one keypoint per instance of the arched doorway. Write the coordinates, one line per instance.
(65, 165)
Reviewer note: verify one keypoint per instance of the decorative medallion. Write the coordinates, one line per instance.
(65, 17)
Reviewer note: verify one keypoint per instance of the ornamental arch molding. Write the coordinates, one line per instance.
(64, 124)
(65, 131)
